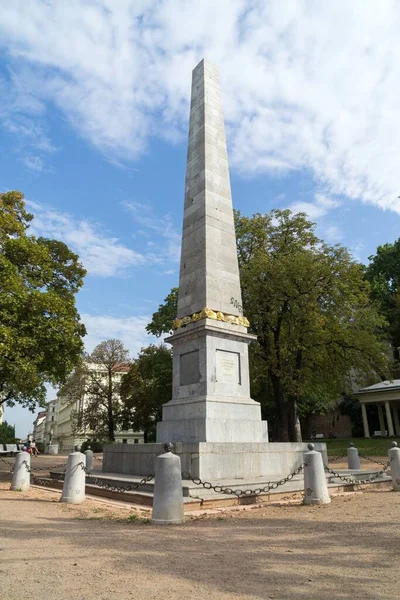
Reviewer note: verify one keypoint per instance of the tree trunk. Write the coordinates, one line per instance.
(110, 414)
(293, 417)
(293, 420)
(282, 430)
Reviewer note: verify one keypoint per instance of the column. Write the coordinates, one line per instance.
(365, 420)
(396, 419)
(381, 420)
(389, 420)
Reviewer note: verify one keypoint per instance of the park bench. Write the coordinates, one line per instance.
(3, 451)
(11, 449)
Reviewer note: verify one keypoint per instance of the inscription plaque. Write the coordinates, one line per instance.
(189, 368)
(228, 367)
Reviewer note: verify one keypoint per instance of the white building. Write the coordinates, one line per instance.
(50, 428)
(39, 427)
(61, 426)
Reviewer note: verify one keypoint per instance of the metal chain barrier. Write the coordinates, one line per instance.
(111, 486)
(187, 476)
(45, 481)
(6, 475)
(227, 490)
(32, 470)
(360, 481)
(336, 458)
(49, 468)
(372, 460)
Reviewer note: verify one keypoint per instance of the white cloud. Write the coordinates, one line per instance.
(307, 85)
(317, 209)
(160, 228)
(130, 330)
(20, 116)
(100, 253)
(332, 233)
(33, 163)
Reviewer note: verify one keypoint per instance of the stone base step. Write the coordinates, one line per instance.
(193, 492)
(192, 504)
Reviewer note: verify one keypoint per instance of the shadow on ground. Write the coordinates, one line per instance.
(299, 554)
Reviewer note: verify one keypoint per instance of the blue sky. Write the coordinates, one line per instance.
(93, 128)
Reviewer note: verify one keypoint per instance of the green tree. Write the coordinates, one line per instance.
(146, 387)
(383, 272)
(7, 433)
(309, 305)
(40, 329)
(163, 318)
(94, 389)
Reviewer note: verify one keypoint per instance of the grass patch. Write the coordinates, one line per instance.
(368, 446)
(136, 519)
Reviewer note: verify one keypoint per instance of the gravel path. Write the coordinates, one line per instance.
(345, 550)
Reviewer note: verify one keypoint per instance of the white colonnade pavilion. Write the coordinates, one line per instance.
(386, 396)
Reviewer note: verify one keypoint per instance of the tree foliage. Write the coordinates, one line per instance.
(40, 329)
(309, 305)
(163, 318)
(383, 272)
(146, 387)
(94, 388)
(7, 433)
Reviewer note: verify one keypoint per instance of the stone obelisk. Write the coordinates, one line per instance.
(215, 426)
(211, 396)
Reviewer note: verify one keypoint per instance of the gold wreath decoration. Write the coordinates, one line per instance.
(208, 313)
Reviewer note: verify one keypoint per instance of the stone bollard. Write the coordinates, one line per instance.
(353, 459)
(21, 479)
(394, 459)
(315, 486)
(75, 478)
(168, 494)
(89, 459)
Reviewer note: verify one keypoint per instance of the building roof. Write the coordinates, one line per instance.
(122, 367)
(119, 367)
(40, 414)
(389, 384)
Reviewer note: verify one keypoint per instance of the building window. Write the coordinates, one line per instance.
(135, 441)
(124, 441)
(52, 418)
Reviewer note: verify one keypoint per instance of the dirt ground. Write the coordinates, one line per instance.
(96, 551)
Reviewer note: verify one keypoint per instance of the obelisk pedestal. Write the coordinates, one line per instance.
(211, 400)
